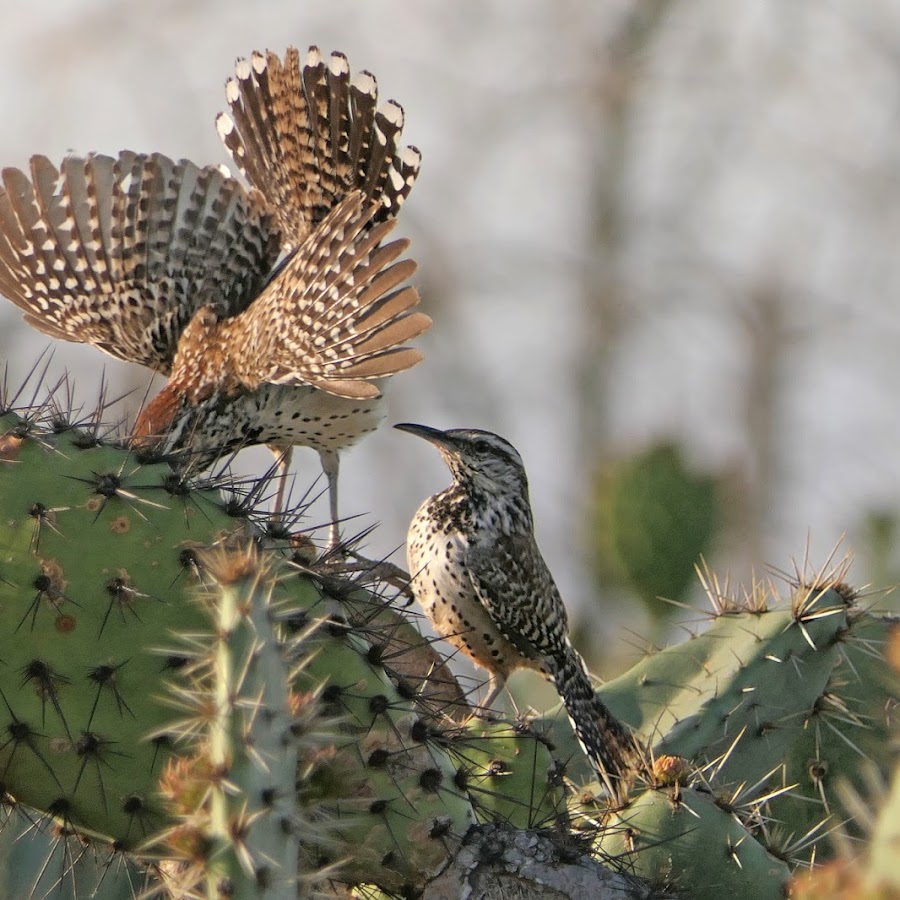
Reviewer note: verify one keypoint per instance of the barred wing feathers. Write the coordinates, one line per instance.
(121, 252)
(336, 316)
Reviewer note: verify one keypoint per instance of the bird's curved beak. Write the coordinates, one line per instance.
(433, 435)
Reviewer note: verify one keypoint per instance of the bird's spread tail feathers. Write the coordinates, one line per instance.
(309, 134)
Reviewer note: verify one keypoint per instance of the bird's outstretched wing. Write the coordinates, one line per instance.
(336, 316)
(120, 253)
(307, 136)
(515, 586)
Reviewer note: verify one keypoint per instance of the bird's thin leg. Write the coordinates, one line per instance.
(375, 569)
(283, 461)
(496, 683)
(330, 465)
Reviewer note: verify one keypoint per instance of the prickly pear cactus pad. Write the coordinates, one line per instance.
(851, 730)
(96, 574)
(679, 839)
(387, 783)
(741, 682)
(38, 859)
(778, 704)
(511, 774)
(774, 695)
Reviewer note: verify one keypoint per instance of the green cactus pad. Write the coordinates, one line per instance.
(95, 575)
(511, 774)
(389, 784)
(679, 839)
(652, 520)
(849, 730)
(39, 860)
(738, 693)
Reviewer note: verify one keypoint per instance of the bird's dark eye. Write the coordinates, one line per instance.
(489, 449)
(484, 448)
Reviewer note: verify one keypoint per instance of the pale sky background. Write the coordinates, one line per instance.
(744, 299)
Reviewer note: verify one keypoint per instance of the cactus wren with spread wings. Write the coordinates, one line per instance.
(276, 311)
(480, 578)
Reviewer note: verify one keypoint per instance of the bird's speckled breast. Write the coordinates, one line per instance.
(436, 556)
(276, 414)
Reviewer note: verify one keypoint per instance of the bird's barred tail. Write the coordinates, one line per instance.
(308, 135)
(612, 750)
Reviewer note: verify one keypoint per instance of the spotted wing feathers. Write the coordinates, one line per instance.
(336, 316)
(307, 135)
(514, 585)
(121, 252)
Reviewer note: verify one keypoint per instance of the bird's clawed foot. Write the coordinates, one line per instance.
(342, 560)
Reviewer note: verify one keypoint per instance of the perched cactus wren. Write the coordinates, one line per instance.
(276, 312)
(480, 577)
